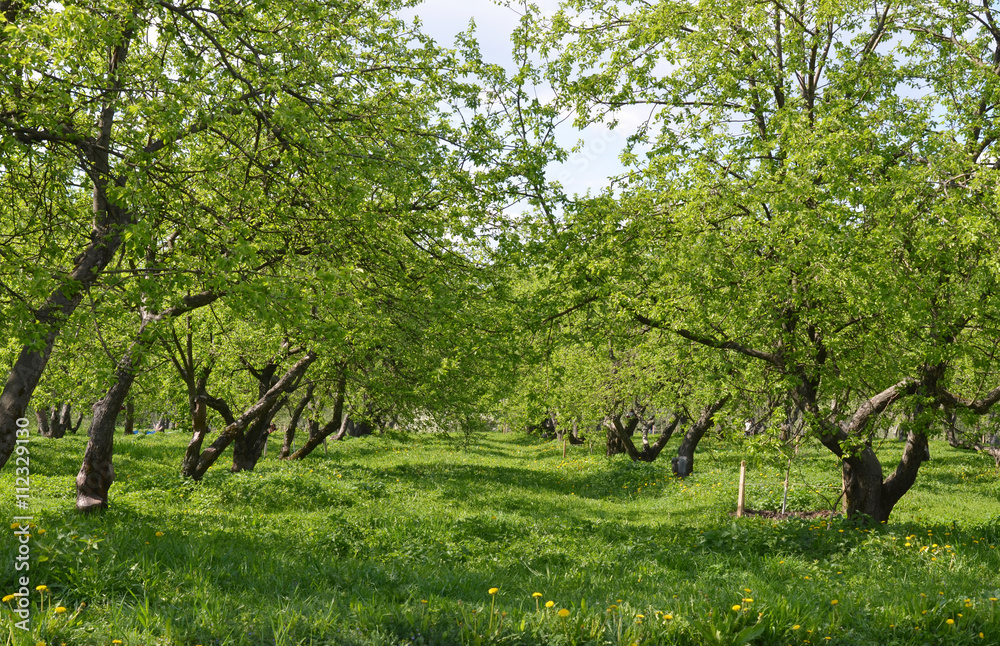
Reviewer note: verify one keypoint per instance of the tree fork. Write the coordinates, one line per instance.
(226, 437)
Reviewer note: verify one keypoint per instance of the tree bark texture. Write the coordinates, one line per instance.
(683, 464)
(286, 446)
(337, 423)
(42, 418)
(228, 434)
(97, 472)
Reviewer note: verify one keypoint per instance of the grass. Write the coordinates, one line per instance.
(399, 539)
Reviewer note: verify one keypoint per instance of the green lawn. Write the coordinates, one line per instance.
(399, 540)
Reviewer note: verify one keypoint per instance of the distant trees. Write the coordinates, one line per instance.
(795, 205)
(317, 168)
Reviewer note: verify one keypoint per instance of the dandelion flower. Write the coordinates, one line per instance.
(640, 616)
(158, 534)
(42, 588)
(60, 610)
(536, 594)
(494, 590)
(737, 607)
(748, 600)
(667, 617)
(834, 602)
(9, 597)
(564, 613)
(796, 627)
(950, 622)
(549, 604)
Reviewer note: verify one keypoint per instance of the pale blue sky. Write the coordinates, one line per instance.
(597, 159)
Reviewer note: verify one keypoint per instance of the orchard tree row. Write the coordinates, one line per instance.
(307, 207)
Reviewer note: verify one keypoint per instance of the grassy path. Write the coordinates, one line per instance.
(399, 540)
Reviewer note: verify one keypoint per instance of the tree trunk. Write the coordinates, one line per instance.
(76, 427)
(129, 417)
(620, 436)
(192, 454)
(42, 417)
(249, 445)
(97, 471)
(683, 464)
(866, 495)
(55, 423)
(337, 423)
(66, 418)
(286, 446)
(228, 434)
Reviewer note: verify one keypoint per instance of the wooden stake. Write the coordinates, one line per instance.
(784, 497)
(741, 499)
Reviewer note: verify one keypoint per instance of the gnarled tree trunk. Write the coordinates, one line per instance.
(42, 418)
(683, 464)
(337, 423)
(228, 434)
(97, 472)
(286, 446)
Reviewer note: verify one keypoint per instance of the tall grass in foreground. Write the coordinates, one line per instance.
(399, 540)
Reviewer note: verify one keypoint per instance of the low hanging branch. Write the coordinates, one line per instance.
(211, 454)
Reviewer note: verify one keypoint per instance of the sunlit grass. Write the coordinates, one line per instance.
(399, 540)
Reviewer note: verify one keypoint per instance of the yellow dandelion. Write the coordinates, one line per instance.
(796, 627)
(737, 607)
(494, 590)
(42, 588)
(60, 610)
(536, 594)
(564, 613)
(748, 600)
(116, 641)
(667, 617)
(640, 616)
(9, 597)
(158, 534)
(834, 602)
(549, 604)
(950, 622)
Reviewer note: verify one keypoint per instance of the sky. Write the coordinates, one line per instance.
(587, 169)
